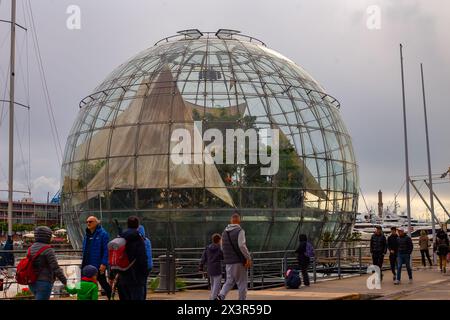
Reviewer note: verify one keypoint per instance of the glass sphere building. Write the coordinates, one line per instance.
(117, 157)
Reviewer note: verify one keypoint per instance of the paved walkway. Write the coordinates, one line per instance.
(427, 284)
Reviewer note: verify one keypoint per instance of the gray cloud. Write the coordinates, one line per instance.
(328, 38)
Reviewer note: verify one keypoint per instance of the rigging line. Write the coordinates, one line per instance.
(364, 199)
(418, 189)
(19, 62)
(19, 139)
(41, 72)
(3, 103)
(55, 133)
(396, 194)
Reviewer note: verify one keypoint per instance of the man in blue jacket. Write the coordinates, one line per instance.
(95, 251)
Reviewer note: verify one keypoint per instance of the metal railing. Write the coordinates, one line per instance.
(267, 271)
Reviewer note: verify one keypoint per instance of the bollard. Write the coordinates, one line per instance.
(167, 273)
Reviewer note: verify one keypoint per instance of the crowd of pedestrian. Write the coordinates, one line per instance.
(400, 247)
(124, 263)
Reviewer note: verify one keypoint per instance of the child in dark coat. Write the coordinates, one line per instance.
(212, 256)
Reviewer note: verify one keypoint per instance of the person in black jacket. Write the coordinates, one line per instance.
(378, 248)
(6, 258)
(392, 243)
(303, 258)
(441, 247)
(131, 283)
(212, 256)
(405, 248)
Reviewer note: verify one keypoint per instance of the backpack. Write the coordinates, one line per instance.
(118, 258)
(25, 273)
(309, 250)
(292, 279)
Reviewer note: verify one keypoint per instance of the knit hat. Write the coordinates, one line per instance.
(43, 234)
(89, 271)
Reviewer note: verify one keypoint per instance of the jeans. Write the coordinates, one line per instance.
(41, 290)
(215, 286)
(236, 274)
(424, 253)
(404, 258)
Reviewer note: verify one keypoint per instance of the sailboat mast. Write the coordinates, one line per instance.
(408, 197)
(430, 178)
(11, 117)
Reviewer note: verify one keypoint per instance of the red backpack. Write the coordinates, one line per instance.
(118, 258)
(25, 273)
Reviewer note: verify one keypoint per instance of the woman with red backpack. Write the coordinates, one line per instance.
(44, 264)
(305, 252)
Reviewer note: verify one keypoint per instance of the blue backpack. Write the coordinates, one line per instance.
(309, 250)
(292, 279)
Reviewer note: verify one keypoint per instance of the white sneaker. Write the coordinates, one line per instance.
(410, 281)
(396, 282)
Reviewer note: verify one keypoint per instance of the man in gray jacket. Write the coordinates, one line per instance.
(236, 257)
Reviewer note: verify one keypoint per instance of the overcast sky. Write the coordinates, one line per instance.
(330, 39)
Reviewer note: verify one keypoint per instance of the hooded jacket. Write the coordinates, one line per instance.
(46, 264)
(237, 236)
(212, 256)
(148, 247)
(87, 289)
(95, 247)
(135, 248)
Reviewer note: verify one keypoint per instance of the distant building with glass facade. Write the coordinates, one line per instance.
(117, 157)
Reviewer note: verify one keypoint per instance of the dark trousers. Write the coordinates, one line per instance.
(377, 259)
(101, 278)
(303, 266)
(424, 253)
(393, 262)
(131, 291)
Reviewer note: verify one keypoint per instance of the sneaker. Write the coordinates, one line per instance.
(219, 297)
(393, 278)
(396, 282)
(410, 281)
